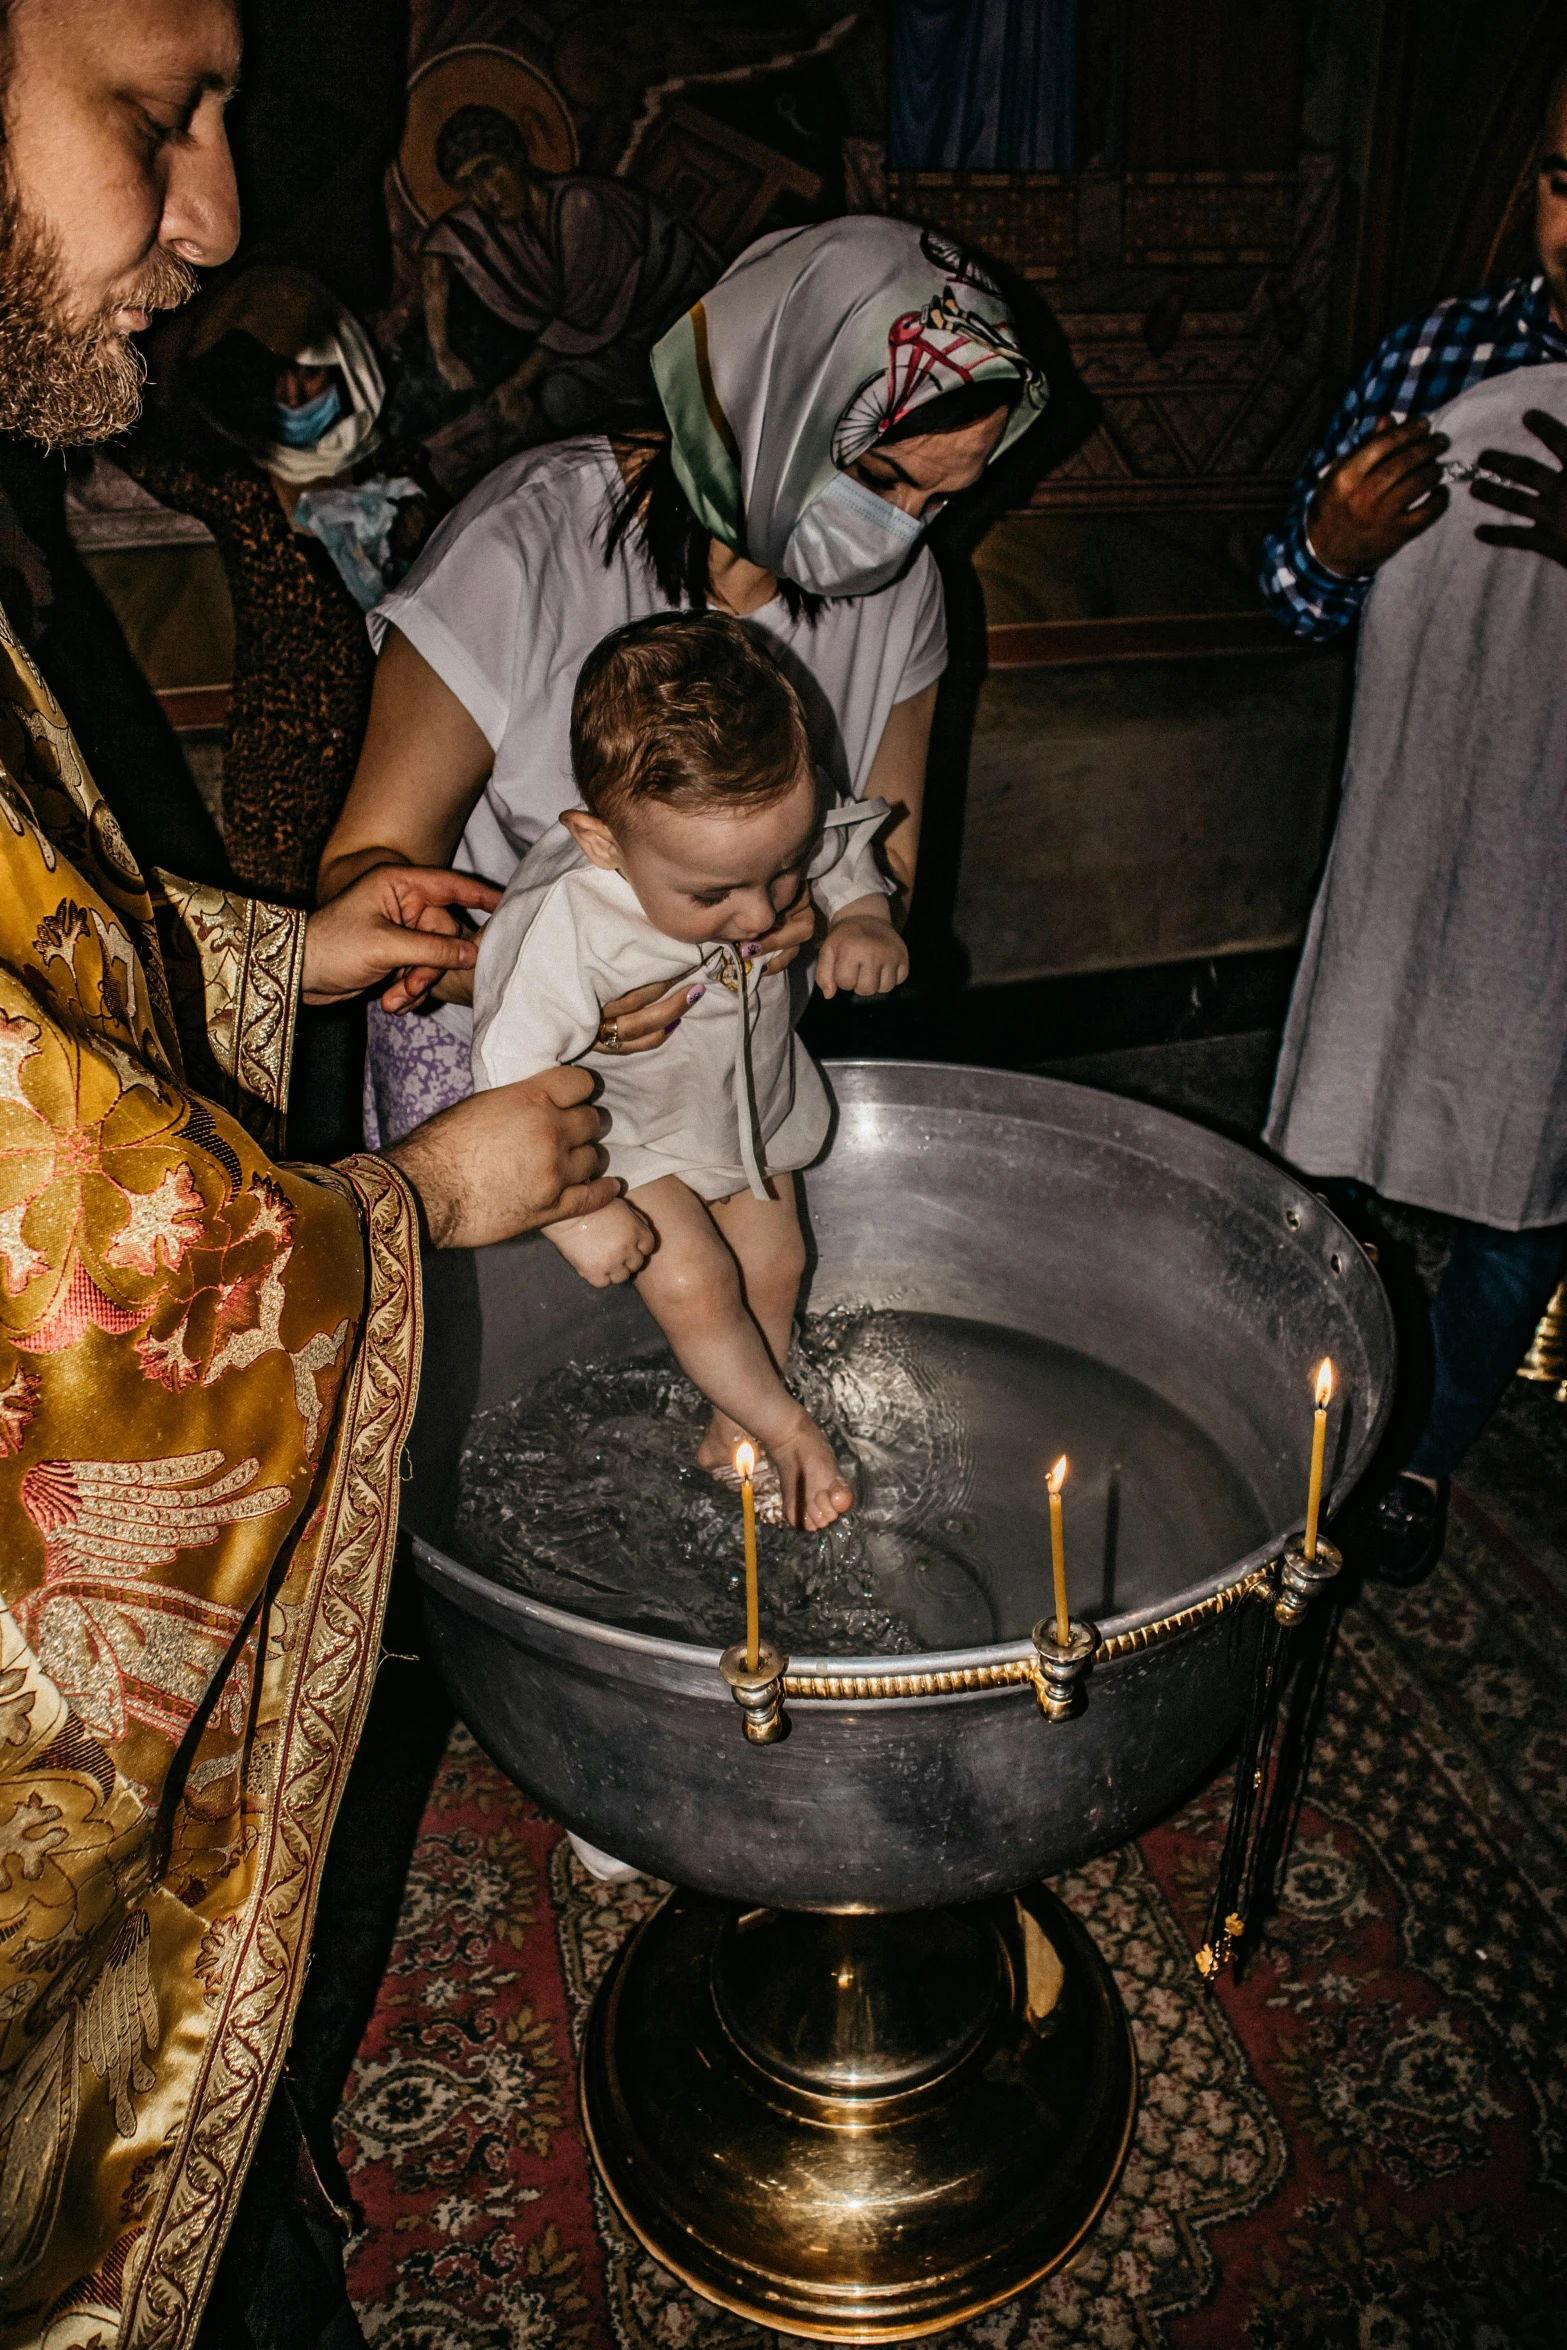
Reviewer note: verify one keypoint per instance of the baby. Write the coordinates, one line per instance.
(703, 822)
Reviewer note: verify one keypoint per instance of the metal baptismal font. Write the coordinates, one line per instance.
(863, 2075)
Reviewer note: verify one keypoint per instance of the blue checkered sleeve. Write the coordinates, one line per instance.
(1420, 367)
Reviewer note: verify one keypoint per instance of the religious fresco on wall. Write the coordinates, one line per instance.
(566, 176)
(571, 176)
(568, 182)
(1183, 237)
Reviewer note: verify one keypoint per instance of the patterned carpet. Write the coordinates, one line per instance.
(1361, 2147)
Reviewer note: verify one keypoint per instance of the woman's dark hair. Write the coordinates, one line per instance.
(953, 411)
(653, 504)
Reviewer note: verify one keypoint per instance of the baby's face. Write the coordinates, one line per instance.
(711, 873)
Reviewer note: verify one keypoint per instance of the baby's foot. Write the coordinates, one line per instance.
(716, 1454)
(814, 1492)
(717, 1448)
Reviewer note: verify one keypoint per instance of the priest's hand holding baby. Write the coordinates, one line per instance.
(862, 954)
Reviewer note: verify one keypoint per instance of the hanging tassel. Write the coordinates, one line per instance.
(1252, 1847)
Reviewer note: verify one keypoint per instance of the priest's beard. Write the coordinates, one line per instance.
(60, 383)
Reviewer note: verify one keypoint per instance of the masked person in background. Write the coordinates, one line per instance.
(273, 440)
(834, 389)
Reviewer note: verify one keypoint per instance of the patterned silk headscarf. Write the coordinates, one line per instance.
(807, 349)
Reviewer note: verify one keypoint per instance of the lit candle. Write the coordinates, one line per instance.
(1055, 1481)
(1319, 1439)
(745, 1462)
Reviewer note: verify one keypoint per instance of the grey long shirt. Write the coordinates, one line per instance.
(1426, 1047)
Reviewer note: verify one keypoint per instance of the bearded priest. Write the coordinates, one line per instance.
(208, 1359)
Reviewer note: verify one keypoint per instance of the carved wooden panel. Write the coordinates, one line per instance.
(1210, 219)
(1025, 218)
(1222, 412)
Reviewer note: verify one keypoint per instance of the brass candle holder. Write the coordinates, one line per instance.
(1062, 1664)
(758, 1689)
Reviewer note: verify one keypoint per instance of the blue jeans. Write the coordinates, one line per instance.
(1495, 1288)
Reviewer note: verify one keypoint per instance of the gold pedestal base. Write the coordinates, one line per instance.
(1546, 1360)
(859, 2128)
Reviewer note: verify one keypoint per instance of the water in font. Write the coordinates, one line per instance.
(582, 1491)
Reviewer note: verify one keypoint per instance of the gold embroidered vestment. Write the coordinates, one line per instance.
(207, 1369)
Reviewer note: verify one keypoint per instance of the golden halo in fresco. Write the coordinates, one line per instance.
(478, 74)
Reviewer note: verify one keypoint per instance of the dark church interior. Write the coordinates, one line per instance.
(1133, 1918)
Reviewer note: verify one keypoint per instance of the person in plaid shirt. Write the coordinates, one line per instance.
(1359, 496)
(1375, 482)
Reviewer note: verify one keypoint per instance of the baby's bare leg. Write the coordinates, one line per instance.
(691, 1285)
(769, 1248)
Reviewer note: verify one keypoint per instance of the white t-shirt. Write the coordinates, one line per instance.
(512, 593)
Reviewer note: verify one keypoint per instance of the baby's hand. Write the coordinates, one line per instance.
(610, 1246)
(862, 952)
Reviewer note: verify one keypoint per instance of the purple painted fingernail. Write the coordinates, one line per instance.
(693, 994)
(749, 948)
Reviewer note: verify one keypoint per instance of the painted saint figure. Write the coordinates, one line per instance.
(593, 269)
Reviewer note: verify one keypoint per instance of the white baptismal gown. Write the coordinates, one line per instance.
(732, 1096)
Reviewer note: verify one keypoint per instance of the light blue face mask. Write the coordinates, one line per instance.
(849, 542)
(301, 428)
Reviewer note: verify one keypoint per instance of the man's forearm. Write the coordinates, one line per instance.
(508, 1160)
(434, 1176)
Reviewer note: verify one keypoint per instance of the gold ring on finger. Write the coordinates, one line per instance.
(609, 1036)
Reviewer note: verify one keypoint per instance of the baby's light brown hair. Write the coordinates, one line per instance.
(686, 708)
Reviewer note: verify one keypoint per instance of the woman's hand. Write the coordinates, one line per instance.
(862, 953)
(641, 1021)
(646, 1018)
(397, 923)
(793, 930)
(452, 987)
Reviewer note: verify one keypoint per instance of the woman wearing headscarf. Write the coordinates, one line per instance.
(836, 386)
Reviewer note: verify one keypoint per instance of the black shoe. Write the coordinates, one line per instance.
(1405, 1533)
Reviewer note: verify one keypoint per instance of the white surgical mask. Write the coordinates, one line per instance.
(849, 542)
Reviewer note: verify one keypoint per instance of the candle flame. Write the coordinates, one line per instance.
(745, 1459)
(1057, 1476)
(1324, 1384)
